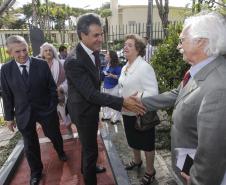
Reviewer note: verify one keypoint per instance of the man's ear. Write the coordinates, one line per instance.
(82, 34)
(202, 43)
(8, 52)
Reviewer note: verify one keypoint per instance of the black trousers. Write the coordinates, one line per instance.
(50, 126)
(87, 131)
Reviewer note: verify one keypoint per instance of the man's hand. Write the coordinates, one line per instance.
(133, 104)
(11, 125)
(186, 177)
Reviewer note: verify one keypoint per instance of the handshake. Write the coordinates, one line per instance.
(133, 104)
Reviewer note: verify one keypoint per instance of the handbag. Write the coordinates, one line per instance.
(149, 120)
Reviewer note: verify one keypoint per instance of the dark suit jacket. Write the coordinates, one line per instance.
(84, 96)
(19, 100)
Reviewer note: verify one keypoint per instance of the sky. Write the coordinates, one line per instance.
(91, 4)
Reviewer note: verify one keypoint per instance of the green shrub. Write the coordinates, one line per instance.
(168, 62)
(4, 55)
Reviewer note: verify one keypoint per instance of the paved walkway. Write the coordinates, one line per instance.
(57, 172)
(162, 165)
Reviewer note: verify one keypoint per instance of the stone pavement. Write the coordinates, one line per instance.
(5, 136)
(56, 171)
(116, 133)
(162, 162)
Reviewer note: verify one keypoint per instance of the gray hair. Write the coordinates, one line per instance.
(84, 22)
(54, 50)
(210, 26)
(15, 39)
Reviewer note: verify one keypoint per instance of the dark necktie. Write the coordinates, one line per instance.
(24, 74)
(186, 78)
(97, 59)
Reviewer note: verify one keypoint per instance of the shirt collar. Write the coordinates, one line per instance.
(27, 63)
(87, 50)
(134, 64)
(196, 68)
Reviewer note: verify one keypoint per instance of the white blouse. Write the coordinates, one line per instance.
(139, 77)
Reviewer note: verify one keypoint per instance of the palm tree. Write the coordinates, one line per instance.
(149, 20)
(105, 13)
(6, 5)
(163, 10)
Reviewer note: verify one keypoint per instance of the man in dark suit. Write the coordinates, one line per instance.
(84, 97)
(29, 95)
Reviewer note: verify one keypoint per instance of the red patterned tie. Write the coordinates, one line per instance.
(186, 78)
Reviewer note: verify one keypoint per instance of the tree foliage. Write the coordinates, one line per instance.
(218, 5)
(9, 18)
(168, 62)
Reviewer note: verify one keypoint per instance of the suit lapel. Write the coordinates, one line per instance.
(32, 69)
(88, 61)
(196, 82)
(17, 75)
(189, 88)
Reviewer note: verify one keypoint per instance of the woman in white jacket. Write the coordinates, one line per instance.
(138, 76)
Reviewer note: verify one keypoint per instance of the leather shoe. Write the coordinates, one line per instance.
(63, 157)
(35, 181)
(100, 169)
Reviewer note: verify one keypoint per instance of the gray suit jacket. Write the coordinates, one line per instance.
(199, 121)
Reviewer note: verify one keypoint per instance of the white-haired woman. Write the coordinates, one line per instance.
(49, 53)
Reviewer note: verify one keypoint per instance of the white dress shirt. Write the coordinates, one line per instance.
(27, 63)
(89, 52)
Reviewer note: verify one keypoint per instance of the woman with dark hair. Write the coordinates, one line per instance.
(138, 77)
(111, 74)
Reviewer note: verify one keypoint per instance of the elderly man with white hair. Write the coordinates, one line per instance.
(199, 129)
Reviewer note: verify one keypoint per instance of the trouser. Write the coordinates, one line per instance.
(50, 126)
(88, 137)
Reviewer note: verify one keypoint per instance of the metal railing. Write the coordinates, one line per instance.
(118, 32)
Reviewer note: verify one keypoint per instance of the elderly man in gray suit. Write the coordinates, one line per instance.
(199, 116)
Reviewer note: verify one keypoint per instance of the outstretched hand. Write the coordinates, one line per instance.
(186, 177)
(132, 103)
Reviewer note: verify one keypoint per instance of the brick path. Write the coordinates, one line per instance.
(116, 132)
